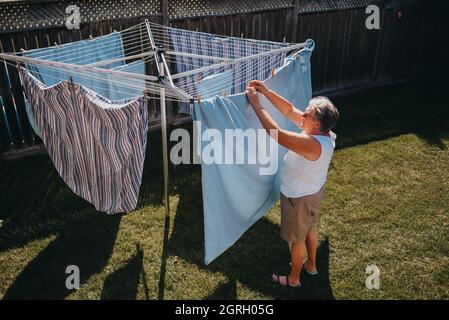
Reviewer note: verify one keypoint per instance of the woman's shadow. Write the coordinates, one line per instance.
(250, 261)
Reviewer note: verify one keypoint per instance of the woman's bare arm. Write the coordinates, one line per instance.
(283, 105)
(302, 144)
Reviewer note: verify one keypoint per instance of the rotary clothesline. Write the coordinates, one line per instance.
(178, 65)
(197, 54)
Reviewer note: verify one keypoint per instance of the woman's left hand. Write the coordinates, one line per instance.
(251, 93)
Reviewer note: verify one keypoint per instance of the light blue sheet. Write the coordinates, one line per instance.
(216, 84)
(236, 196)
(120, 91)
(82, 53)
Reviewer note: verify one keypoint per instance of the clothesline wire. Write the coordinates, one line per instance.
(167, 35)
(160, 29)
(236, 50)
(217, 50)
(195, 62)
(264, 66)
(42, 52)
(237, 83)
(253, 72)
(163, 35)
(239, 79)
(60, 79)
(237, 61)
(232, 53)
(137, 48)
(210, 58)
(27, 60)
(118, 80)
(76, 51)
(96, 44)
(189, 65)
(149, 91)
(217, 67)
(78, 41)
(165, 38)
(257, 66)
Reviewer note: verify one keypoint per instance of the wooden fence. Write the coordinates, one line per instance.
(347, 54)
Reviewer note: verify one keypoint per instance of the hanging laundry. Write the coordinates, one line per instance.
(128, 88)
(82, 53)
(97, 145)
(236, 196)
(216, 84)
(30, 115)
(232, 48)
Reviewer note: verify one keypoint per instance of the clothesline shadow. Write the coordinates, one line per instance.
(152, 186)
(37, 206)
(123, 283)
(415, 107)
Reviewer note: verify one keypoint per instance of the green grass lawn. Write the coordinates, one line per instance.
(386, 203)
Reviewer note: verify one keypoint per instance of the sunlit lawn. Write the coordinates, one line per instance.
(386, 203)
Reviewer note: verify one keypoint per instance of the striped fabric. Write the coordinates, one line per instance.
(211, 45)
(85, 52)
(97, 145)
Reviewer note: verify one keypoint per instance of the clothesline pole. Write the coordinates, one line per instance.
(160, 68)
(164, 144)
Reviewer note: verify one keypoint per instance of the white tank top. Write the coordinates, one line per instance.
(301, 177)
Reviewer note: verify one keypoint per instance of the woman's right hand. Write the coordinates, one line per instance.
(259, 86)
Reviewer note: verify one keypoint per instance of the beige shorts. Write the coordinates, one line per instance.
(299, 215)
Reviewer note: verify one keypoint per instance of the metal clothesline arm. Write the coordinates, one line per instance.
(153, 45)
(192, 55)
(70, 66)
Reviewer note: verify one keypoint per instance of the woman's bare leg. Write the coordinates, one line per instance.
(311, 245)
(298, 252)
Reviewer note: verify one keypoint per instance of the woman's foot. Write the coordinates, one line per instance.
(285, 281)
(310, 269)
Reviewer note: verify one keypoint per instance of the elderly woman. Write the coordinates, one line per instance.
(303, 175)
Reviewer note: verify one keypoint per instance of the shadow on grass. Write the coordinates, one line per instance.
(250, 261)
(35, 204)
(313, 287)
(417, 107)
(87, 243)
(123, 283)
(372, 115)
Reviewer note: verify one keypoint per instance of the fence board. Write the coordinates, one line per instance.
(346, 54)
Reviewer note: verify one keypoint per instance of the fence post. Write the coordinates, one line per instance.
(295, 20)
(164, 11)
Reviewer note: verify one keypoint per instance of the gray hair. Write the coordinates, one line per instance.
(325, 112)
